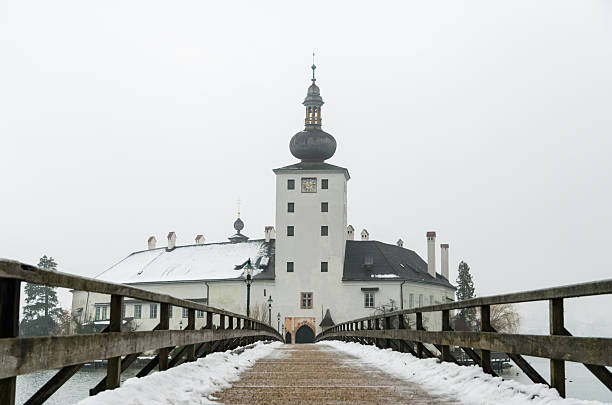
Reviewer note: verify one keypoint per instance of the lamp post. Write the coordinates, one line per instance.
(270, 310)
(249, 280)
(278, 325)
(181, 325)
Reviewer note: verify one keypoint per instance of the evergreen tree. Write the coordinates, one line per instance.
(466, 318)
(41, 311)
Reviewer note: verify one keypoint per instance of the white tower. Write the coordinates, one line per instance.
(311, 224)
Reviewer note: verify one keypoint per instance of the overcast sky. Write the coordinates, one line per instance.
(488, 122)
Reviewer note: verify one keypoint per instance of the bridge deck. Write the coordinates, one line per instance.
(320, 375)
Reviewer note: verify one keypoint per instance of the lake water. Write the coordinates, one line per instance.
(580, 382)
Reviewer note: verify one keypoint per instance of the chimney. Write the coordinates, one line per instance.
(400, 243)
(365, 235)
(444, 259)
(269, 233)
(431, 254)
(200, 239)
(350, 233)
(171, 241)
(152, 242)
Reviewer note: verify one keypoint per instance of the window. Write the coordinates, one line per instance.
(104, 312)
(324, 207)
(153, 311)
(98, 313)
(306, 300)
(431, 300)
(420, 300)
(290, 230)
(324, 267)
(411, 301)
(137, 311)
(264, 292)
(368, 300)
(200, 314)
(324, 230)
(289, 267)
(324, 184)
(123, 311)
(291, 207)
(169, 311)
(185, 312)
(290, 184)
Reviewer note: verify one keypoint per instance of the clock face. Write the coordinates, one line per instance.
(309, 184)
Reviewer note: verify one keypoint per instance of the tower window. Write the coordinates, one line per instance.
(289, 267)
(324, 184)
(290, 184)
(264, 292)
(306, 300)
(290, 207)
(324, 206)
(324, 230)
(290, 230)
(324, 266)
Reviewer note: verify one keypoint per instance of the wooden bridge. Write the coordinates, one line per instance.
(301, 369)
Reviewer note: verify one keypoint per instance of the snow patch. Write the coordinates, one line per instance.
(468, 384)
(187, 384)
(384, 276)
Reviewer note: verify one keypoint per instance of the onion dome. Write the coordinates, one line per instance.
(238, 226)
(313, 144)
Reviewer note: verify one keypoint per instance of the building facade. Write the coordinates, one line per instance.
(309, 268)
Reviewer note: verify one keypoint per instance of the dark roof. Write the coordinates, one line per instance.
(387, 260)
(307, 166)
(327, 320)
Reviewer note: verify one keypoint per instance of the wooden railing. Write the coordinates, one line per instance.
(389, 331)
(22, 355)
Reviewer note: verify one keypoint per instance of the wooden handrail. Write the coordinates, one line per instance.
(31, 274)
(23, 355)
(559, 346)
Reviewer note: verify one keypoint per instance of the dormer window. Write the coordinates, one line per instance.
(368, 262)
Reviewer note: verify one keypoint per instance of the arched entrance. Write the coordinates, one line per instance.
(288, 338)
(304, 334)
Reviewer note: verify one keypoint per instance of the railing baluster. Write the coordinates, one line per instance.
(388, 328)
(113, 365)
(485, 326)
(164, 324)
(557, 366)
(9, 327)
(419, 326)
(446, 355)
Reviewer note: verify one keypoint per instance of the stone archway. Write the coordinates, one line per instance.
(304, 334)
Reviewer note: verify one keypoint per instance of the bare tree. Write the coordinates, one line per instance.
(260, 312)
(505, 319)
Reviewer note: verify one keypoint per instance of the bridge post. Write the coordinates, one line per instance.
(164, 324)
(419, 326)
(113, 365)
(221, 321)
(388, 327)
(446, 355)
(9, 327)
(557, 366)
(485, 326)
(191, 318)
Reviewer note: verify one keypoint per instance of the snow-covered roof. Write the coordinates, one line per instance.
(212, 261)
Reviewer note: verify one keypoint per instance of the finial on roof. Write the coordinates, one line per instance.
(238, 208)
(313, 67)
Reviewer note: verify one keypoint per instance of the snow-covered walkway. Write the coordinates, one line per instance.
(328, 372)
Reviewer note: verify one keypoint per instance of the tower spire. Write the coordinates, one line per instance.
(313, 67)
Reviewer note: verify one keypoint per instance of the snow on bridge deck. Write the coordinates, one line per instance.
(324, 373)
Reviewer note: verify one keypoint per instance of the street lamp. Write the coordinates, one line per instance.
(278, 319)
(249, 280)
(270, 310)
(181, 325)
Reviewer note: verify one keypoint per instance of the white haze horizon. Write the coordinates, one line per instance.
(487, 122)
